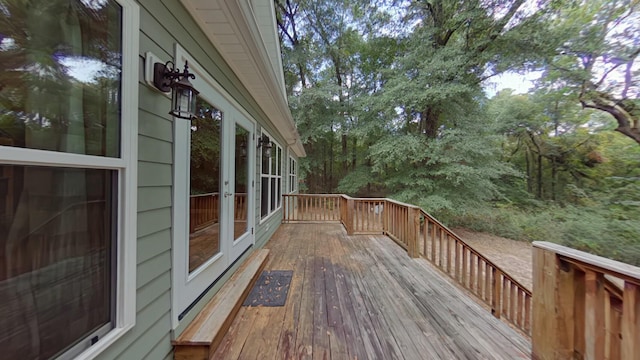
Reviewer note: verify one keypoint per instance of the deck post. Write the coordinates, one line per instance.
(385, 217)
(350, 211)
(556, 330)
(413, 238)
(631, 322)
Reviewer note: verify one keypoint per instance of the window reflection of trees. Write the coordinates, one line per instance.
(205, 148)
(60, 75)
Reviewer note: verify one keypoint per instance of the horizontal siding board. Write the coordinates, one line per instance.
(152, 221)
(162, 350)
(154, 150)
(154, 174)
(147, 43)
(155, 126)
(268, 228)
(154, 197)
(153, 245)
(153, 289)
(151, 318)
(150, 269)
(153, 102)
(153, 28)
(149, 339)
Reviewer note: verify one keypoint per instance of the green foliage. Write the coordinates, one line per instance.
(593, 229)
(388, 99)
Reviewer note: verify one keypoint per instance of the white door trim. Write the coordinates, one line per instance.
(187, 287)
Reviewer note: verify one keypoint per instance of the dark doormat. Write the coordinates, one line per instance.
(271, 289)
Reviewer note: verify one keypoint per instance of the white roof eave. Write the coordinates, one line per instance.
(232, 28)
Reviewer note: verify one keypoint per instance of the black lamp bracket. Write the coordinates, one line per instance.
(264, 141)
(165, 75)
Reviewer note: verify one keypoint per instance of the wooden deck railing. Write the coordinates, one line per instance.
(584, 306)
(422, 236)
(204, 209)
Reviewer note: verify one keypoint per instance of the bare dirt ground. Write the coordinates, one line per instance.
(514, 257)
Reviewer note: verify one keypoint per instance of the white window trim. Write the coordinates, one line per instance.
(126, 164)
(293, 176)
(270, 176)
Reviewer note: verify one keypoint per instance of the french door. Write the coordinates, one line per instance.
(213, 216)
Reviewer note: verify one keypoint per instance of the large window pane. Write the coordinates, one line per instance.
(57, 247)
(273, 195)
(264, 197)
(241, 183)
(204, 202)
(264, 157)
(60, 75)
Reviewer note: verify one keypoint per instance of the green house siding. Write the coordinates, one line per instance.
(163, 24)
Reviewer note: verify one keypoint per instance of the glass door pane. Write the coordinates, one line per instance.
(204, 200)
(241, 182)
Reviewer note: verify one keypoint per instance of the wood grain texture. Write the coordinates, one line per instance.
(362, 297)
(201, 338)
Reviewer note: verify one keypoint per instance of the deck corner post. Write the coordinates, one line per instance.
(631, 322)
(556, 308)
(414, 232)
(385, 217)
(350, 211)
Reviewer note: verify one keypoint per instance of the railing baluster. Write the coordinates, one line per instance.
(497, 290)
(465, 264)
(480, 279)
(473, 277)
(594, 324)
(420, 234)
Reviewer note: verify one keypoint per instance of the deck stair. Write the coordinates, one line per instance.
(201, 338)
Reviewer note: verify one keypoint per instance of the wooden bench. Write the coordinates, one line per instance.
(201, 338)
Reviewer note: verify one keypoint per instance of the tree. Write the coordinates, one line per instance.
(598, 43)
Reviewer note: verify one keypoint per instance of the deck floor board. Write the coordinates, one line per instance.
(362, 297)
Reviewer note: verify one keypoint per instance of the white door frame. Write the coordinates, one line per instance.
(247, 239)
(187, 287)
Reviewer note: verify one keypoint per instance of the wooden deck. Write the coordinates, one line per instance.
(361, 297)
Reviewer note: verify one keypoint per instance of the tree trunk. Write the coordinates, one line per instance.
(345, 162)
(329, 188)
(429, 122)
(554, 178)
(539, 192)
(529, 174)
(628, 124)
(354, 153)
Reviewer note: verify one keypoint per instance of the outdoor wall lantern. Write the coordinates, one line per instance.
(265, 142)
(166, 77)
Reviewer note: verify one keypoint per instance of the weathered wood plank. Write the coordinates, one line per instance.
(631, 322)
(594, 327)
(375, 303)
(210, 326)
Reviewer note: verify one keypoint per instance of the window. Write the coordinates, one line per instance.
(271, 178)
(293, 175)
(68, 126)
(204, 183)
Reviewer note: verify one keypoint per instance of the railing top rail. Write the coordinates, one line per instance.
(313, 195)
(596, 263)
(426, 214)
(476, 252)
(205, 194)
(402, 204)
